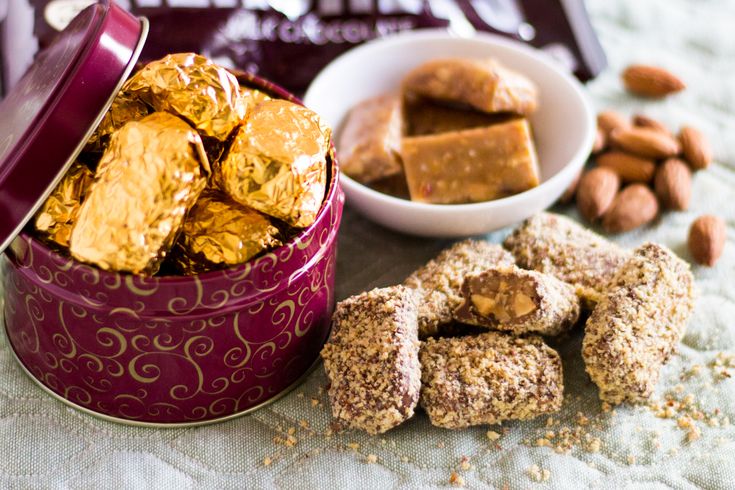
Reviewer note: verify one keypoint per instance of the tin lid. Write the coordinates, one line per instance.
(48, 116)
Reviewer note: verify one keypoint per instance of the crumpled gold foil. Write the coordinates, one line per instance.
(124, 108)
(194, 88)
(277, 162)
(150, 175)
(219, 232)
(253, 96)
(56, 217)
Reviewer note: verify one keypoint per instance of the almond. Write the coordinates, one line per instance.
(596, 192)
(571, 191)
(630, 168)
(695, 147)
(643, 121)
(651, 81)
(673, 184)
(634, 206)
(610, 120)
(600, 141)
(645, 142)
(707, 239)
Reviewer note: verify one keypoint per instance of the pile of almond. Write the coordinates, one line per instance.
(642, 167)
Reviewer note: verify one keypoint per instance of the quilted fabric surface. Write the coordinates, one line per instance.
(685, 442)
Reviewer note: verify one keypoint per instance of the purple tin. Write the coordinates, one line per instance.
(172, 351)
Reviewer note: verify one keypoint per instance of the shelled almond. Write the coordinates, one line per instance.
(651, 81)
(630, 168)
(695, 147)
(641, 167)
(597, 190)
(636, 205)
(673, 184)
(707, 239)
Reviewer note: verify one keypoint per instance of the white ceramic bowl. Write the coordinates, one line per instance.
(563, 126)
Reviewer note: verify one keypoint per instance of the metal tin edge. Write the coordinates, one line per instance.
(157, 425)
(83, 142)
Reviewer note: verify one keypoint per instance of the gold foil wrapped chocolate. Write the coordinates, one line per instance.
(150, 175)
(218, 232)
(253, 96)
(58, 214)
(124, 108)
(194, 88)
(277, 162)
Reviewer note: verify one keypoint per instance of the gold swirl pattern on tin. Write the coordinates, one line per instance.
(120, 362)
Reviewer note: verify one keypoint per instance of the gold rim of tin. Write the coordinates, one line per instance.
(156, 425)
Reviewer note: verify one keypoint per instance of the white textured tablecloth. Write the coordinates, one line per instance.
(44, 444)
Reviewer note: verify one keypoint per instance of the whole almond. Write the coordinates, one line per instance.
(596, 192)
(571, 191)
(645, 142)
(651, 81)
(634, 206)
(673, 184)
(707, 239)
(643, 121)
(600, 141)
(629, 168)
(695, 147)
(610, 120)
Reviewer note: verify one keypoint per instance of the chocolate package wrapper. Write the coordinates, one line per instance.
(56, 217)
(277, 162)
(196, 89)
(219, 232)
(150, 175)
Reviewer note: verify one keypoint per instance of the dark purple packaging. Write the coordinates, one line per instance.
(290, 41)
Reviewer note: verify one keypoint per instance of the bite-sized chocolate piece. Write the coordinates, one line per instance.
(638, 324)
(370, 140)
(148, 178)
(218, 232)
(483, 84)
(556, 245)
(472, 165)
(277, 162)
(518, 301)
(193, 87)
(55, 219)
(439, 281)
(424, 116)
(489, 378)
(371, 359)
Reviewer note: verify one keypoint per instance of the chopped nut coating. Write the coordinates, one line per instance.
(440, 280)
(556, 245)
(371, 359)
(489, 378)
(637, 325)
(518, 301)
